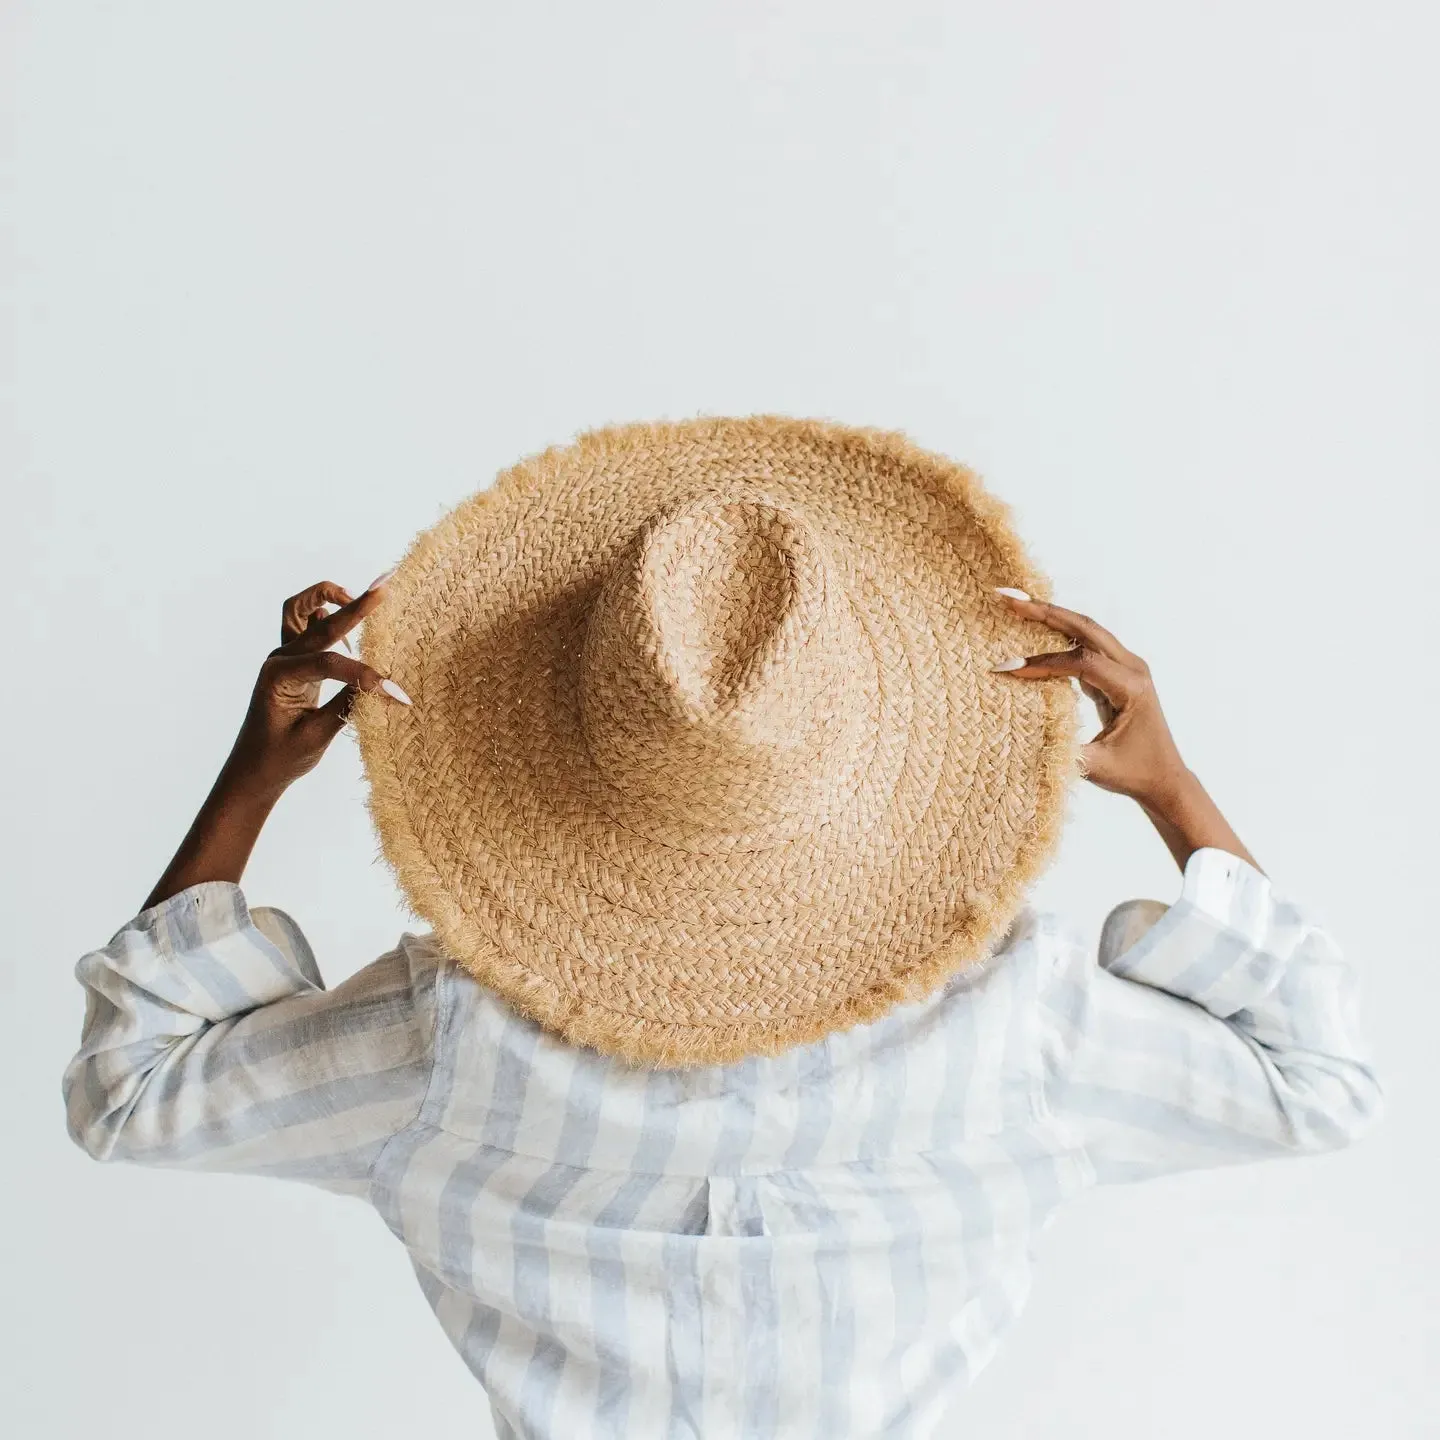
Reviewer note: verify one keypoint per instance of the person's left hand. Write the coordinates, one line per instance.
(285, 732)
(1134, 754)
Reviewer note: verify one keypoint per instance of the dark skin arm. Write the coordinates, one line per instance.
(1134, 753)
(283, 736)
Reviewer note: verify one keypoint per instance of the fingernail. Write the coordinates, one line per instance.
(1011, 590)
(1015, 662)
(391, 688)
(379, 580)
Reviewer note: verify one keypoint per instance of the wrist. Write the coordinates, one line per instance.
(244, 785)
(223, 833)
(1171, 794)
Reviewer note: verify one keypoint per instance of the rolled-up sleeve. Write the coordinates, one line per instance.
(1221, 1028)
(210, 1042)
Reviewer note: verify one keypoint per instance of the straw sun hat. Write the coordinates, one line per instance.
(705, 758)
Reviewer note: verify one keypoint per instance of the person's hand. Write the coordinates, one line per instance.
(285, 731)
(1134, 753)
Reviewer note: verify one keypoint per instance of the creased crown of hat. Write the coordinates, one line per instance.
(706, 759)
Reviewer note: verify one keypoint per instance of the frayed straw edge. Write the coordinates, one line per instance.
(635, 1040)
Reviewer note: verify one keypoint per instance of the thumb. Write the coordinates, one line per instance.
(333, 714)
(1094, 764)
(1098, 764)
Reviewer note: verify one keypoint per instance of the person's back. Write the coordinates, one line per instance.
(826, 1243)
(735, 1080)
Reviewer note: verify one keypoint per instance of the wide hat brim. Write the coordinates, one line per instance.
(614, 889)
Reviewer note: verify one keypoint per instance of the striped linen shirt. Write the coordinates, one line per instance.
(827, 1243)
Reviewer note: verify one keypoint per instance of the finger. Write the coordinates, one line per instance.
(1116, 682)
(303, 669)
(1096, 763)
(344, 639)
(324, 630)
(1072, 623)
(326, 721)
(298, 610)
(1103, 707)
(331, 717)
(1091, 759)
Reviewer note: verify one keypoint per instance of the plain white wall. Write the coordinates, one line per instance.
(285, 281)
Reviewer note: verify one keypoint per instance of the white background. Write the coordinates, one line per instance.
(285, 281)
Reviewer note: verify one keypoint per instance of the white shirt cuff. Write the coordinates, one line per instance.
(1225, 941)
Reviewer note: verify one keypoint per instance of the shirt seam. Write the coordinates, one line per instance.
(1046, 1115)
(440, 1009)
(1043, 1112)
(919, 1152)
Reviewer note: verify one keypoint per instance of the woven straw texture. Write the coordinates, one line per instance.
(705, 758)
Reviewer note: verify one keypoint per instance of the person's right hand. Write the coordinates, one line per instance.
(1135, 753)
(285, 731)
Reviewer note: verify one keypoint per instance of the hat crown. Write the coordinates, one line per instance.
(706, 758)
(716, 685)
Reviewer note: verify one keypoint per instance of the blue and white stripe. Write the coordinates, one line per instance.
(827, 1243)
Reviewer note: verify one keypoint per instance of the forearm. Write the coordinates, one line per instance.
(1189, 820)
(219, 841)
(283, 736)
